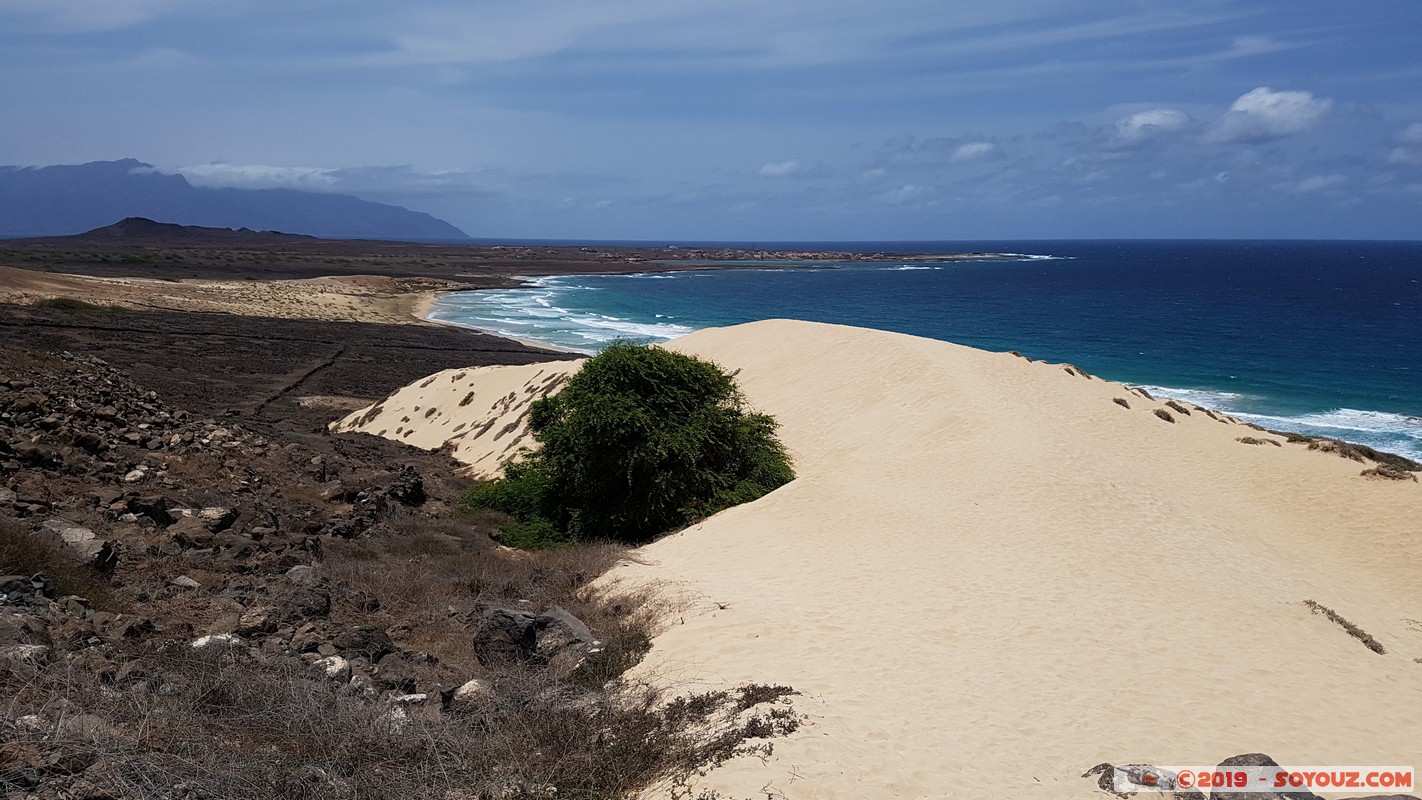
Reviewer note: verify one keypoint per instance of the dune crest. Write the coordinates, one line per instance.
(479, 414)
(990, 575)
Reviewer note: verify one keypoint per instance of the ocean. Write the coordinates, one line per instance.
(1324, 338)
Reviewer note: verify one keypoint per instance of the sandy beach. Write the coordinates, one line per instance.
(354, 298)
(990, 576)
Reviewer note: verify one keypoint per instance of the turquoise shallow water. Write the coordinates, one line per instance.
(1319, 337)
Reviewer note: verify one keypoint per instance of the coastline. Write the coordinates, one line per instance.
(1026, 556)
(1279, 391)
(424, 306)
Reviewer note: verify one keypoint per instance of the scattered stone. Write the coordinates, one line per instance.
(334, 667)
(24, 655)
(469, 696)
(184, 582)
(368, 641)
(217, 518)
(190, 532)
(302, 575)
(216, 639)
(304, 604)
(261, 619)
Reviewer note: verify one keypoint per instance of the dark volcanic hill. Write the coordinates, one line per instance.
(141, 230)
(69, 199)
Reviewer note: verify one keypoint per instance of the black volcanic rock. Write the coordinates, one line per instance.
(68, 199)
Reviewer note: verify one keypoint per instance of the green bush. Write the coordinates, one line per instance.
(640, 442)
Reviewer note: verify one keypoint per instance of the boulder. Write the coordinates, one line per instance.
(37, 455)
(1262, 760)
(371, 642)
(79, 540)
(504, 636)
(257, 620)
(303, 604)
(562, 640)
(307, 638)
(191, 532)
(554, 639)
(302, 575)
(407, 488)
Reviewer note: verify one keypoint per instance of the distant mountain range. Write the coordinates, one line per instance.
(69, 199)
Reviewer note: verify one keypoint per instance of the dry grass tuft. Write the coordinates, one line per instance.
(229, 722)
(1177, 407)
(1253, 440)
(1353, 630)
(25, 552)
(259, 723)
(1165, 415)
(436, 575)
(1389, 473)
(1357, 452)
(1121, 401)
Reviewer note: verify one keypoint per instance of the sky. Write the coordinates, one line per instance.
(737, 120)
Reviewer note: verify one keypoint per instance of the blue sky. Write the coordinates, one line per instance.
(753, 119)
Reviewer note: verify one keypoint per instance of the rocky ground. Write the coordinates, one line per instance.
(205, 594)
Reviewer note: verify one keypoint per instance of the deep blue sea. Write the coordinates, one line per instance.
(1319, 337)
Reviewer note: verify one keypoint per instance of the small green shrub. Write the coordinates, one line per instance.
(640, 442)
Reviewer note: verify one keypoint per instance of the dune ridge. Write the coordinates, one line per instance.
(478, 414)
(989, 576)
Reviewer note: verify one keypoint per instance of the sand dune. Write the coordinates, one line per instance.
(989, 577)
(479, 414)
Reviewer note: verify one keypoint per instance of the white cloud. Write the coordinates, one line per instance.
(904, 195)
(973, 151)
(260, 176)
(1319, 183)
(1405, 156)
(1146, 125)
(1255, 45)
(780, 169)
(82, 16)
(1410, 153)
(794, 168)
(1263, 114)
